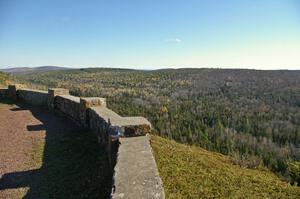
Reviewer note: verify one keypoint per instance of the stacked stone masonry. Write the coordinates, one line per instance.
(34, 97)
(3, 92)
(133, 154)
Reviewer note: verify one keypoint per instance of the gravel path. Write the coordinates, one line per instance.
(16, 143)
(20, 129)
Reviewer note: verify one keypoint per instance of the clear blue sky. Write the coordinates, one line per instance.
(263, 34)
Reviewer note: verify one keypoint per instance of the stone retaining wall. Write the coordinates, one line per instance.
(86, 103)
(112, 130)
(136, 174)
(99, 126)
(52, 93)
(68, 105)
(35, 97)
(3, 92)
(12, 92)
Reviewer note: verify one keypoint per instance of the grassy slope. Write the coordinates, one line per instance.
(192, 172)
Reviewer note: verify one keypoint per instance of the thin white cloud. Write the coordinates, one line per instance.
(173, 40)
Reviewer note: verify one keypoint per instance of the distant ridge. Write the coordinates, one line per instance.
(17, 70)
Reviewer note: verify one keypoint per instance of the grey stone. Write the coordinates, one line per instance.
(52, 92)
(3, 93)
(85, 104)
(34, 97)
(136, 174)
(129, 126)
(12, 92)
(68, 105)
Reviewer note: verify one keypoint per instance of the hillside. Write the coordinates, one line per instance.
(251, 115)
(3, 79)
(21, 70)
(192, 172)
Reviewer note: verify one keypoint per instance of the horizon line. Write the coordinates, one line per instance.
(154, 68)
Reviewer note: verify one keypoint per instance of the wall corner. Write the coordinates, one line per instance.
(12, 91)
(52, 92)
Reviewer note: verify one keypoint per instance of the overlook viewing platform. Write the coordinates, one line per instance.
(129, 166)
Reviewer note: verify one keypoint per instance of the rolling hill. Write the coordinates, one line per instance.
(19, 70)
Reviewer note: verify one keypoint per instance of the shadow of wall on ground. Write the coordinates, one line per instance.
(73, 163)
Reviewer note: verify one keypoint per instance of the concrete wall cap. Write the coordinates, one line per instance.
(57, 89)
(92, 98)
(70, 97)
(33, 90)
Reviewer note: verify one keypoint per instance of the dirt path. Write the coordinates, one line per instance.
(16, 143)
(45, 155)
(22, 130)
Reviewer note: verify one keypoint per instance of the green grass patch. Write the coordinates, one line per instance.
(192, 172)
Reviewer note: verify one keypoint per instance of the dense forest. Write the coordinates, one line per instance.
(254, 116)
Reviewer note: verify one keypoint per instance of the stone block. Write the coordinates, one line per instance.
(136, 130)
(69, 105)
(34, 97)
(85, 104)
(136, 174)
(134, 126)
(52, 92)
(88, 102)
(12, 92)
(3, 93)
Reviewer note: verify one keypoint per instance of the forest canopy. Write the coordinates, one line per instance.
(254, 116)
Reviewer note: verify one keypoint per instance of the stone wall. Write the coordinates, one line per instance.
(136, 174)
(52, 93)
(35, 97)
(99, 126)
(86, 103)
(3, 93)
(12, 92)
(69, 105)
